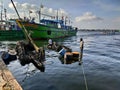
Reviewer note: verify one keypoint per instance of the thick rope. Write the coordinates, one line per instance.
(86, 85)
(80, 63)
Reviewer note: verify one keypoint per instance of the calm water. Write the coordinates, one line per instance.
(101, 64)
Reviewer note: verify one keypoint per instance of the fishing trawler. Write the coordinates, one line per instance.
(45, 29)
(49, 29)
(9, 30)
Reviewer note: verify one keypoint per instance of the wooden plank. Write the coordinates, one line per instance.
(7, 80)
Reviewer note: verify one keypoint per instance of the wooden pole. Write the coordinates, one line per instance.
(81, 51)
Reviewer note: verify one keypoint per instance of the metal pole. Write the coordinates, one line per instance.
(26, 32)
(5, 14)
(1, 9)
(15, 9)
(39, 12)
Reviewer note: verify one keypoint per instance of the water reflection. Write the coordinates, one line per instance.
(100, 60)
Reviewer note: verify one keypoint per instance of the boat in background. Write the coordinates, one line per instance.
(49, 27)
(12, 30)
(9, 30)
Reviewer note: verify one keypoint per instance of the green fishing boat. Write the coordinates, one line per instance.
(9, 30)
(45, 29)
(49, 29)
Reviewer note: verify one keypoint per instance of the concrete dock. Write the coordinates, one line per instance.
(7, 80)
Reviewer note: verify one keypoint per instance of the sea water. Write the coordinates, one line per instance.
(100, 69)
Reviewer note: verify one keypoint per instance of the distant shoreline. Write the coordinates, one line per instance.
(115, 30)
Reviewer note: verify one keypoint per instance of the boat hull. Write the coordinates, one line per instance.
(39, 31)
(11, 35)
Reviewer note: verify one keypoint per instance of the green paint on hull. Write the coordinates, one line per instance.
(11, 35)
(39, 31)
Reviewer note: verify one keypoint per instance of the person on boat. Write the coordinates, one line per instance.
(50, 43)
(33, 20)
(81, 50)
(54, 46)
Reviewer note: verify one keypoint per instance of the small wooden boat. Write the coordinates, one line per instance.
(70, 57)
(66, 56)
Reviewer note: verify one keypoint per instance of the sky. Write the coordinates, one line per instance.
(84, 14)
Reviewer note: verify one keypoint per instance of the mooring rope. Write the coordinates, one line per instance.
(85, 80)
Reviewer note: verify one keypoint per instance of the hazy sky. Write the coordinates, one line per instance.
(85, 14)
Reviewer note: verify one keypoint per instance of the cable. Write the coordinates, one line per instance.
(86, 85)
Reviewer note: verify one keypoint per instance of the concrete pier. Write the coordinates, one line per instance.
(7, 80)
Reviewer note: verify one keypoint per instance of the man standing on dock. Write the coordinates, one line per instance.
(81, 50)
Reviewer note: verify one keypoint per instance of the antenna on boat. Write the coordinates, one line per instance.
(5, 13)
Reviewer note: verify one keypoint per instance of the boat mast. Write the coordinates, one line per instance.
(5, 14)
(39, 12)
(57, 15)
(1, 4)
